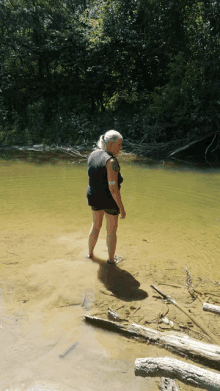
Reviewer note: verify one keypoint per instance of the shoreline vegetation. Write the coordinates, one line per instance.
(154, 153)
(71, 71)
(203, 151)
(151, 150)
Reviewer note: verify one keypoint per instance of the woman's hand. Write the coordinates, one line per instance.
(112, 172)
(122, 213)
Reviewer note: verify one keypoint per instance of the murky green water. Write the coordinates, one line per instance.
(173, 222)
(179, 210)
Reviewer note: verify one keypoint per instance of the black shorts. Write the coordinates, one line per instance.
(113, 211)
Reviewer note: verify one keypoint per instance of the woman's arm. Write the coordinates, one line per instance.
(112, 173)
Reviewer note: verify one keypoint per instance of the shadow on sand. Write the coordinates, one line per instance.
(120, 282)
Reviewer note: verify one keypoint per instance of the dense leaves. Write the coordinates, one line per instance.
(72, 69)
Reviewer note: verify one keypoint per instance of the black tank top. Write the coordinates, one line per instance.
(98, 192)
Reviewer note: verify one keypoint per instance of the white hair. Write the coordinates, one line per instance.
(110, 136)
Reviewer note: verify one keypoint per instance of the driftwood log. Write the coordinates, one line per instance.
(208, 354)
(114, 315)
(175, 369)
(211, 308)
(197, 322)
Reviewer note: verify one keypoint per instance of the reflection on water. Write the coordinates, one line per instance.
(172, 222)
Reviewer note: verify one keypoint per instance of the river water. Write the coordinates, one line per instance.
(173, 222)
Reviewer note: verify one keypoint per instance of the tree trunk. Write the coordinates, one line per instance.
(178, 343)
(175, 369)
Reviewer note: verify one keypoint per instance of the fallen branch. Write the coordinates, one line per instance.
(178, 343)
(211, 308)
(175, 369)
(193, 318)
(144, 148)
(72, 152)
(115, 316)
(107, 293)
(189, 284)
(173, 286)
(198, 146)
(209, 147)
(211, 294)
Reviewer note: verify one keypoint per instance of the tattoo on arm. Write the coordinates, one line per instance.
(114, 166)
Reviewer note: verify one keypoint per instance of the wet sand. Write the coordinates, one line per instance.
(46, 343)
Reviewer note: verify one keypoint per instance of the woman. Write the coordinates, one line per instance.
(103, 191)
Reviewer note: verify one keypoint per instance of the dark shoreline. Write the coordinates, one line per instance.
(147, 153)
(154, 151)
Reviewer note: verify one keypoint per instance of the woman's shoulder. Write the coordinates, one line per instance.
(99, 157)
(98, 151)
(112, 164)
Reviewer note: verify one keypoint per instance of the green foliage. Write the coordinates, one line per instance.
(71, 70)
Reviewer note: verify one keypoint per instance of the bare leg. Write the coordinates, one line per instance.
(111, 227)
(95, 229)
